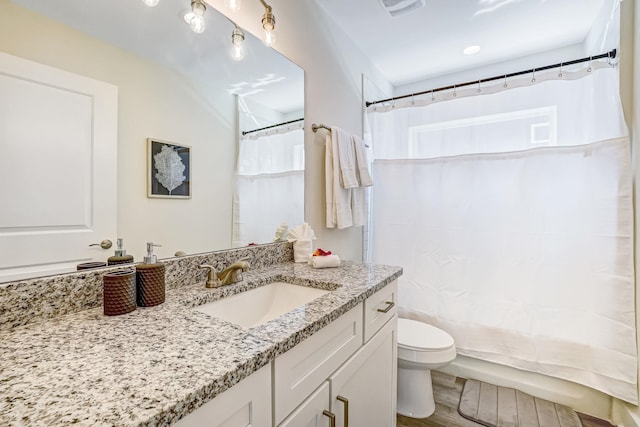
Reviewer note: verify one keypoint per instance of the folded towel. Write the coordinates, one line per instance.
(362, 164)
(324, 261)
(346, 158)
(338, 199)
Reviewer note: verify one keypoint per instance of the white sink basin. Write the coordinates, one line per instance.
(257, 306)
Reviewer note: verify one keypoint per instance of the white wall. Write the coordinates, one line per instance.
(152, 102)
(333, 67)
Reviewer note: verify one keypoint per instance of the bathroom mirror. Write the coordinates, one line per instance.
(172, 85)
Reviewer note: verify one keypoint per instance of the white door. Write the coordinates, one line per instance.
(363, 390)
(58, 143)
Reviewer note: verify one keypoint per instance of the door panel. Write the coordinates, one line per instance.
(58, 139)
(367, 381)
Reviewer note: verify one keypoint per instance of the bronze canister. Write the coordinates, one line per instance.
(119, 292)
(151, 289)
(88, 265)
(116, 260)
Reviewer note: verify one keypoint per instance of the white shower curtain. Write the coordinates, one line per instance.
(269, 186)
(511, 214)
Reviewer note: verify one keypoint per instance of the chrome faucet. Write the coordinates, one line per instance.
(227, 276)
(232, 274)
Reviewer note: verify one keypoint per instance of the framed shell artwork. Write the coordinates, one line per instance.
(168, 170)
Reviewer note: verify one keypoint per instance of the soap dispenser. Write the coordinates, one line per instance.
(150, 280)
(120, 257)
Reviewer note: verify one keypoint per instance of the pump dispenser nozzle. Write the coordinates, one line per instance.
(150, 258)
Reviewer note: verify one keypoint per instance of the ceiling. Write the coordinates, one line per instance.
(161, 35)
(428, 42)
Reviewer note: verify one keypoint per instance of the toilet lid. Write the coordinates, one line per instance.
(421, 336)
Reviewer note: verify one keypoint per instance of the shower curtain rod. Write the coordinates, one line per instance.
(272, 126)
(611, 54)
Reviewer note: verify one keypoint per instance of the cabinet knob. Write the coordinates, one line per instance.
(345, 401)
(105, 244)
(332, 417)
(390, 305)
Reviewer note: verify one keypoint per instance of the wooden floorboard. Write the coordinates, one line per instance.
(446, 392)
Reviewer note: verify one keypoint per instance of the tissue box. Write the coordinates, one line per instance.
(302, 250)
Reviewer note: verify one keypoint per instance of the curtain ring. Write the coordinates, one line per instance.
(393, 103)
(479, 90)
(413, 102)
(560, 73)
(505, 85)
(454, 91)
(589, 69)
(533, 79)
(433, 98)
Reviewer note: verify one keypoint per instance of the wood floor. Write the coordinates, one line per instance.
(446, 391)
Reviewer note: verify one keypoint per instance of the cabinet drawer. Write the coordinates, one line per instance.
(379, 308)
(302, 369)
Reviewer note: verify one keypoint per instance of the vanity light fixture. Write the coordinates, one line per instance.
(269, 24)
(151, 3)
(233, 5)
(237, 42)
(195, 18)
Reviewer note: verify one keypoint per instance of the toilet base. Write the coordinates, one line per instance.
(415, 393)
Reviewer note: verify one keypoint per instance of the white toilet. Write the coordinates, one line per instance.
(421, 347)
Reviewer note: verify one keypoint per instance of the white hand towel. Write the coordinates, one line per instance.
(358, 206)
(338, 199)
(331, 221)
(362, 164)
(324, 261)
(346, 158)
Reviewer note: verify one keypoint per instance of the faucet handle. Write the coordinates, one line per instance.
(212, 277)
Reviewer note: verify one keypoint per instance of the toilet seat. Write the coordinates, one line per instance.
(421, 337)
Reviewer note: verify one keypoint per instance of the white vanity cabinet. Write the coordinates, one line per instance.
(343, 375)
(313, 412)
(247, 404)
(337, 373)
(364, 388)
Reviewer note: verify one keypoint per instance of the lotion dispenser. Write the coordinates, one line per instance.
(120, 257)
(150, 280)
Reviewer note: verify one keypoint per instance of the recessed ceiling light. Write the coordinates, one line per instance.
(471, 50)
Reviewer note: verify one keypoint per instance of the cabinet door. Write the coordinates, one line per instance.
(365, 386)
(312, 412)
(299, 371)
(247, 404)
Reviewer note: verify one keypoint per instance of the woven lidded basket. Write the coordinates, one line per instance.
(119, 292)
(150, 279)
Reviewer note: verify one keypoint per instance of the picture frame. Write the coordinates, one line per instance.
(168, 170)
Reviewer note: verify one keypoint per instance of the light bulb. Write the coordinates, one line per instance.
(197, 24)
(237, 42)
(269, 38)
(195, 18)
(233, 5)
(237, 53)
(151, 3)
(268, 24)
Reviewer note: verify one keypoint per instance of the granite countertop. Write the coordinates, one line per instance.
(155, 365)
